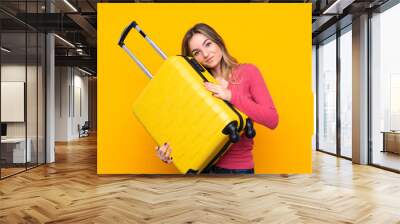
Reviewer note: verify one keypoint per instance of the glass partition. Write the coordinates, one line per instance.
(346, 93)
(327, 95)
(385, 88)
(22, 67)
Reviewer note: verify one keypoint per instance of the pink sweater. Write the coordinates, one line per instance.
(251, 96)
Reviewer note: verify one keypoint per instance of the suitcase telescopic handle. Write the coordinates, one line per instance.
(138, 62)
(125, 33)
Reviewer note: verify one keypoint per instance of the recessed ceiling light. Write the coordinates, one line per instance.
(5, 50)
(70, 5)
(64, 40)
(338, 6)
(84, 71)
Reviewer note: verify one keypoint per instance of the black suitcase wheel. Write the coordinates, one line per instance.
(249, 129)
(231, 131)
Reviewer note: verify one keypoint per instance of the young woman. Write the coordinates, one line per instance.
(240, 84)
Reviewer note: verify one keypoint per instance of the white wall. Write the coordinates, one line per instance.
(81, 84)
(71, 94)
(61, 103)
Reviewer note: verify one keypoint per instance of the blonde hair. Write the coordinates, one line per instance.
(228, 63)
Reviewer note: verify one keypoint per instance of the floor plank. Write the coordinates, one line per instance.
(70, 191)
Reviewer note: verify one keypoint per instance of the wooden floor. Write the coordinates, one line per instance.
(10, 171)
(387, 159)
(69, 191)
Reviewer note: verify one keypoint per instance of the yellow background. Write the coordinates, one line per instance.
(274, 37)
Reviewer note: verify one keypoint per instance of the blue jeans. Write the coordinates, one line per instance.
(219, 170)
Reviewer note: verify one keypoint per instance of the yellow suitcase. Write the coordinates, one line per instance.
(175, 107)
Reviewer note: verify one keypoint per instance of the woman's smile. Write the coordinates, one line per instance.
(209, 60)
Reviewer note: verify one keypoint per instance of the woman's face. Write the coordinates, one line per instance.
(205, 51)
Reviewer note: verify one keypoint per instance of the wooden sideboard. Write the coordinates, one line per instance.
(391, 141)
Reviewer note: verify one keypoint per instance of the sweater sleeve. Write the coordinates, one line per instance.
(259, 107)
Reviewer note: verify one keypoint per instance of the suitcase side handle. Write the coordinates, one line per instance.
(138, 62)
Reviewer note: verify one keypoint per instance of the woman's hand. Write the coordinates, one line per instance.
(164, 152)
(219, 90)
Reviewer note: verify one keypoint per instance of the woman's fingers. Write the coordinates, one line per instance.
(211, 87)
(218, 95)
(219, 91)
(161, 151)
(164, 152)
(222, 82)
(209, 84)
(215, 89)
(168, 157)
